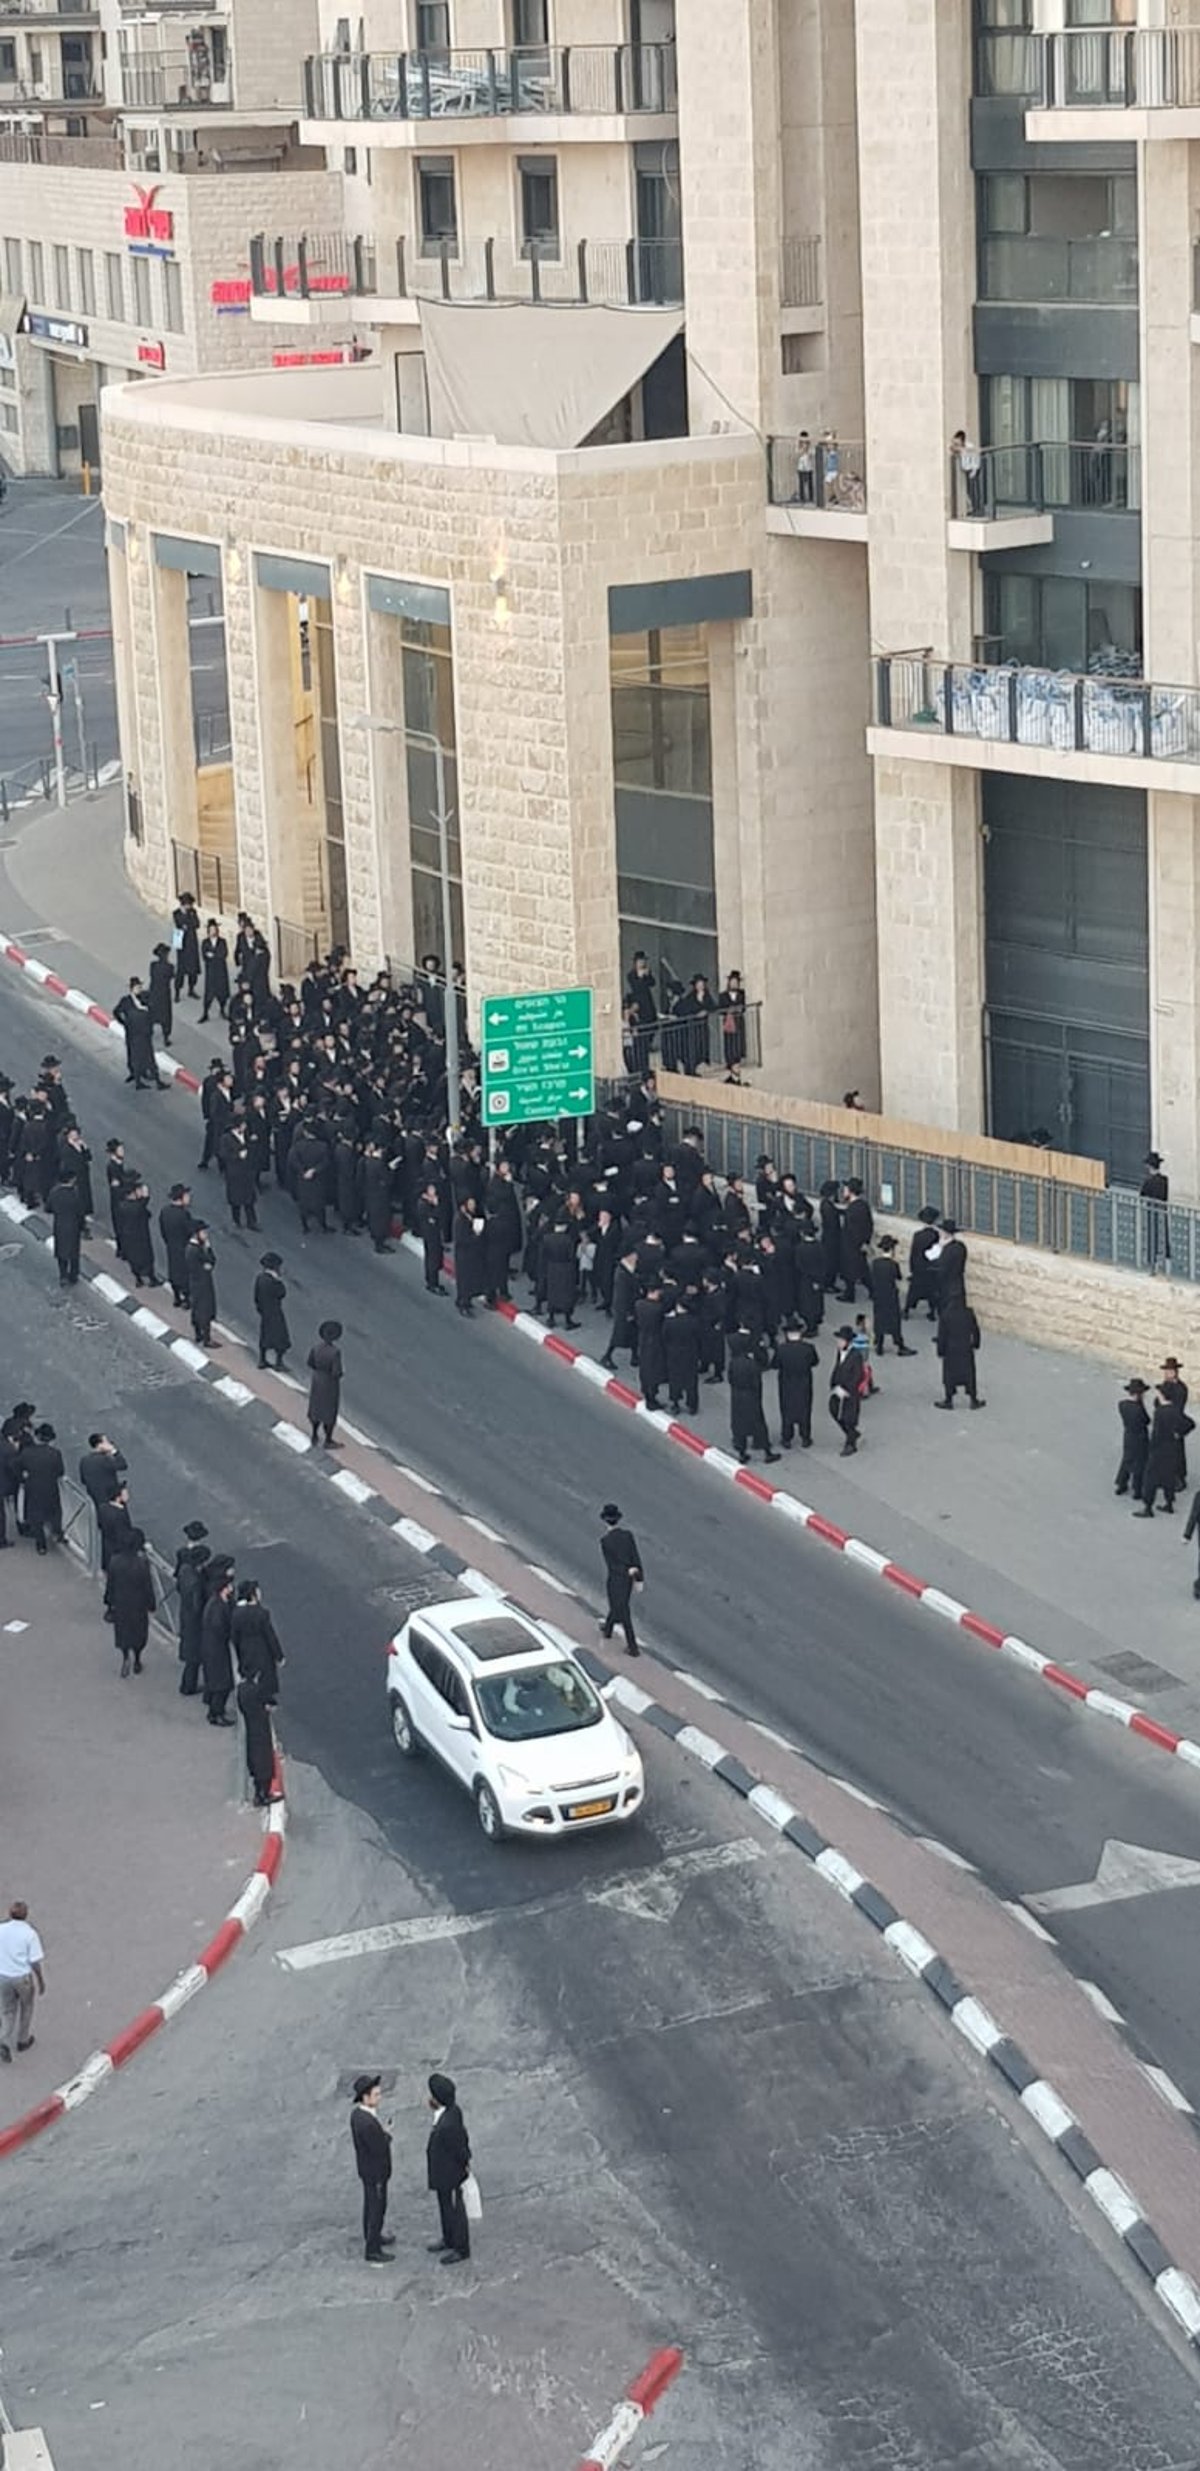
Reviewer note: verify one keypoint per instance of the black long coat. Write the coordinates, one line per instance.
(448, 2152)
(41, 1469)
(133, 1234)
(129, 1596)
(468, 1258)
(795, 1363)
(215, 1631)
(273, 1332)
(652, 1354)
(325, 1387)
(747, 1423)
(257, 1649)
(560, 1270)
(215, 956)
(957, 1340)
(189, 1586)
(201, 1284)
(260, 1744)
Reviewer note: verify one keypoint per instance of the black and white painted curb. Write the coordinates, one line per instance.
(1176, 2291)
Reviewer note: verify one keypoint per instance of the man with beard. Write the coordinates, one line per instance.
(177, 1227)
(274, 1336)
(136, 1240)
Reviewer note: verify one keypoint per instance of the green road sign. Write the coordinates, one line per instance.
(537, 1056)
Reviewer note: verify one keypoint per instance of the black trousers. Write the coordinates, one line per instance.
(620, 1611)
(796, 1417)
(455, 2229)
(1133, 1468)
(375, 2199)
(216, 1701)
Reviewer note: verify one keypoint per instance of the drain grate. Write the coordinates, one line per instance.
(1137, 1672)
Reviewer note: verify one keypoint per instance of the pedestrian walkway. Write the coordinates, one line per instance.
(1012, 1511)
(125, 1829)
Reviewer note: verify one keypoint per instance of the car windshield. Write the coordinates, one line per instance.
(542, 1699)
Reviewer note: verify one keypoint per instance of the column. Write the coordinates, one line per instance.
(928, 877)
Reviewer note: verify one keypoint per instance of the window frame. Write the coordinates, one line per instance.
(547, 246)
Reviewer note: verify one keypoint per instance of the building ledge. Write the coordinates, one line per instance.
(818, 523)
(808, 319)
(325, 309)
(917, 745)
(1024, 528)
(541, 130)
(1109, 124)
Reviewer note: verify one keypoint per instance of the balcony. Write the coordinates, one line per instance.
(49, 12)
(1040, 721)
(1118, 81)
(1101, 273)
(94, 154)
(322, 278)
(197, 76)
(801, 284)
(817, 487)
(1010, 502)
(583, 91)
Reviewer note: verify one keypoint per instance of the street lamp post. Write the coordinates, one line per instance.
(442, 818)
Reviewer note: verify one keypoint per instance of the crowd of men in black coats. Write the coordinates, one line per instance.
(220, 1626)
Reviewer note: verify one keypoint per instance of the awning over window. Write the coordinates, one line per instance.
(534, 374)
(12, 310)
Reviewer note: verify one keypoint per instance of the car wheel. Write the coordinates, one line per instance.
(487, 1811)
(402, 1733)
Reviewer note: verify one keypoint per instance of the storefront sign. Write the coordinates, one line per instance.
(149, 229)
(343, 357)
(231, 298)
(56, 329)
(152, 355)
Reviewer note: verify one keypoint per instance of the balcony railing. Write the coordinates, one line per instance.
(162, 79)
(1037, 266)
(1090, 474)
(800, 285)
(1023, 706)
(829, 473)
(328, 265)
(596, 79)
(213, 881)
(1121, 68)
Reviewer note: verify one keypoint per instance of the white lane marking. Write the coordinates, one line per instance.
(1050, 2112)
(151, 1323)
(291, 1439)
(235, 1391)
(704, 1689)
(422, 1483)
(194, 1357)
(1113, 2199)
(352, 1486)
(656, 1895)
(971, 2019)
(111, 1288)
(1167, 2087)
(1032, 1925)
(481, 1528)
(1124, 1871)
(548, 1579)
(855, 1791)
(354, 1433)
(946, 1853)
(412, 1532)
(1102, 2003)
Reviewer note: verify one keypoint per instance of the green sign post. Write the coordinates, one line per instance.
(537, 1057)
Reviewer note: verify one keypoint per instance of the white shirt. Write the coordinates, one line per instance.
(20, 1951)
(969, 456)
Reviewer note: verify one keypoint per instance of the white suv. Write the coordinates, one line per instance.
(513, 1717)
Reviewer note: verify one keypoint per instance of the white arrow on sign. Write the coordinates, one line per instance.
(577, 1093)
(577, 1054)
(1124, 1871)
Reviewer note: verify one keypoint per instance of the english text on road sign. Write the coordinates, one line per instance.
(537, 1056)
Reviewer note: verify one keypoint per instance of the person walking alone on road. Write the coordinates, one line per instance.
(22, 1957)
(274, 1336)
(216, 1631)
(325, 1387)
(448, 2161)
(129, 1598)
(1135, 1439)
(622, 1573)
(958, 1341)
(214, 953)
(373, 2158)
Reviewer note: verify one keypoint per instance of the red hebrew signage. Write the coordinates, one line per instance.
(149, 228)
(152, 355)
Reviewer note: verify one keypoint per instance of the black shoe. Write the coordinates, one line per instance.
(438, 2247)
(609, 1364)
(849, 1450)
(948, 1404)
(806, 1441)
(5, 2052)
(379, 2259)
(572, 1325)
(455, 2256)
(906, 1351)
(28, 2043)
(632, 1651)
(770, 1458)
(980, 1403)
(1143, 1514)
(743, 1458)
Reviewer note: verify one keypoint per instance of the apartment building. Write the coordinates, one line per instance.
(139, 151)
(645, 543)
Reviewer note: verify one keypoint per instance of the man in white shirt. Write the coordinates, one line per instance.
(21, 1959)
(970, 464)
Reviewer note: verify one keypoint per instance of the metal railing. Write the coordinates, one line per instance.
(719, 1041)
(1026, 706)
(1120, 68)
(1084, 473)
(35, 780)
(800, 285)
(1114, 1226)
(610, 79)
(213, 881)
(161, 79)
(81, 1534)
(295, 947)
(323, 265)
(1032, 266)
(827, 472)
(103, 154)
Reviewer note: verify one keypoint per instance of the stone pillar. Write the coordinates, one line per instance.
(930, 893)
(1173, 834)
(1168, 202)
(731, 208)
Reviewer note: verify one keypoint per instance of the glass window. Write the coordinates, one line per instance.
(114, 286)
(530, 21)
(139, 268)
(172, 297)
(427, 663)
(540, 1699)
(1003, 13)
(85, 276)
(431, 25)
(8, 61)
(219, 52)
(12, 266)
(62, 278)
(37, 272)
(437, 205)
(537, 176)
(1003, 202)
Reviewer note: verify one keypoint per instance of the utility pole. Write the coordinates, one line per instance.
(70, 672)
(450, 998)
(54, 702)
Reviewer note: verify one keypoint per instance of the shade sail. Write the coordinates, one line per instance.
(531, 374)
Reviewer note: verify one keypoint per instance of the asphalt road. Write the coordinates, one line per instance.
(705, 2105)
(961, 1744)
(53, 575)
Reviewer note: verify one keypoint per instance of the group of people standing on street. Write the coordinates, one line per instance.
(1153, 1464)
(447, 2170)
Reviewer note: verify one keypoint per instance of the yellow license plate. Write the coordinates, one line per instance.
(591, 1810)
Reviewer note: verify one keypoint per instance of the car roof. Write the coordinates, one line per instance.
(489, 1633)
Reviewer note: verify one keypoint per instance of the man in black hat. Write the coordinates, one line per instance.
(884, 1275)
(845, 1389)
(1155, 1191)
(447, 2165)
(177, 1226)
(274, 1336)
(373, 2156)
(1135, 1439)
(949, 1257)
(135, 1017)
(922, 1277)
(622, 1571)
(189, 1588)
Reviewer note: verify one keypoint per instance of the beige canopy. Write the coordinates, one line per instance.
(526, 374)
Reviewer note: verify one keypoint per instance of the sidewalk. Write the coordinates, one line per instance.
(1011, 1511)
(124, 1826)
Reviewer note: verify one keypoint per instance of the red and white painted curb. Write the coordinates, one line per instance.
(932, 1599)
(641, 2398)
(12, 950)
(104, 2063)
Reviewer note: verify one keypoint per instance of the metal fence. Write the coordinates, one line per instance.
(331, 265)
(609, 79)
(82, 1534)
(1020, 705)
(1093, 473)
(1150, 68)
(1114, 1227)
(827, 472)
(719, 1040)
(213, 881)
(295, 947)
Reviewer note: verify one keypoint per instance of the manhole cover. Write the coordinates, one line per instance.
(1137, 1672)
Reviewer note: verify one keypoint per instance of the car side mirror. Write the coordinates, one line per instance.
(459, 1723)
